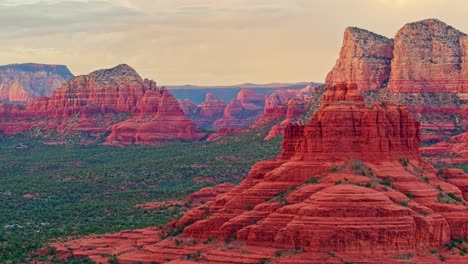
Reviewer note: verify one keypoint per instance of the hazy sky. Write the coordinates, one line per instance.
(204, 41)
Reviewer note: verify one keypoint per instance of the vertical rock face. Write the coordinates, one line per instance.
(250, 99)
(346, 127)
(364, 60)
(428, 73)
(25, 82)
(425, 56)
(429, 56)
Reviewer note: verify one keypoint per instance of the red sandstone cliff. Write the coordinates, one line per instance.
(328, 190)
(169, 122)
(427, 71)
(25, 82)
(364, 59)
(424, 56)
(429, 56)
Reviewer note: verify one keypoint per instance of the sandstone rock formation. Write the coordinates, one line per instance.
(425, 56)
(429, 56)
(242, 111)
(348, 186)
(364, 59)
(424, 67)
(25, 82)
(169, 123)
(453, 152)
(97, 102)
(328, 190)
(206, 113)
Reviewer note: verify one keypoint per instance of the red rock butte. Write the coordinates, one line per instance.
(349, 186)
(424, 56)
(116, 99)
(425, 66)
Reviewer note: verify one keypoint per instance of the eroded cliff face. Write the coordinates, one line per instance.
(25, 82)
(364, 60)
(350, 182)
(426, 70)
(424, 56)
(429, 56)
(169, 123)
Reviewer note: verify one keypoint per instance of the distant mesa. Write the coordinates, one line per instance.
(26, 82)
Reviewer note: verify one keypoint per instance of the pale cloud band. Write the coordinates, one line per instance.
(203, 41)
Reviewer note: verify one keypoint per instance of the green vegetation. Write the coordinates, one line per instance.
(312, 180)
(359, 168)
(404, 162)
(460, 244)
(48, 191)
(448, 198)
(410, 195)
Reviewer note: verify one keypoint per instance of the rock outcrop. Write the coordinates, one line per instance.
(25, 82)
(427, 71)
(425, 56)
(242, 111)
(169, 123)
(429, 56)
(364, 60)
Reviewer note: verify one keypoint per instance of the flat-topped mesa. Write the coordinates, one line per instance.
(346, 127)
(429, 56)
(119, 89)
(25, 82)
(364, 60)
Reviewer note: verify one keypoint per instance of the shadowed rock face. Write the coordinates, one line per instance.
(25, 82)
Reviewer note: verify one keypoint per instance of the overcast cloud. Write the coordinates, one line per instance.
(203, 41)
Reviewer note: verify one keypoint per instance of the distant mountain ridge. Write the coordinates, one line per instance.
(196, 94)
